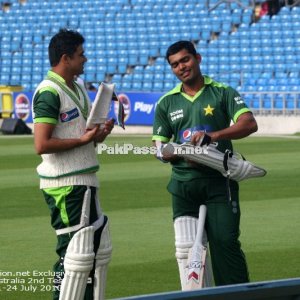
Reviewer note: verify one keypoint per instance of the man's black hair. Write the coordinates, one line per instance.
(64, 42)
(180, 45)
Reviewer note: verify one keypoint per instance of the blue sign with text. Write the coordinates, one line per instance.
(138, 107)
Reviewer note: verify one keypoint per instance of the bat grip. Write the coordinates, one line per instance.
(201, 223)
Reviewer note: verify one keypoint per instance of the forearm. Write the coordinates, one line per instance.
(232, 133)
(244, 127)
(45, 143)
(53, 145)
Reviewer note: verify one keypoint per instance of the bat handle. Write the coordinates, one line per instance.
(201, 222)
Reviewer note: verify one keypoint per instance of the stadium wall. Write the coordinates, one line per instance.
(139, 114)
(278, 124)
(267, 125)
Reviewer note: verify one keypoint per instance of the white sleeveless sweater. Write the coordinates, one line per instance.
(77, 166)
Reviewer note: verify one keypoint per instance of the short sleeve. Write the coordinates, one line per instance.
(161, 127)
(46, 105)
(235, 104)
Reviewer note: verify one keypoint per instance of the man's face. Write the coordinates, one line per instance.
(185, 66)
(77, 61)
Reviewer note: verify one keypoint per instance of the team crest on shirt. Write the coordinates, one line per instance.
(186, 134)
(208, 110)
(69, 115)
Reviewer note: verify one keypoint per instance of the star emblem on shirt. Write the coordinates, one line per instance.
(208, 110)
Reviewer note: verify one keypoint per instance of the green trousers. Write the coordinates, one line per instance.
(65, 204)
(222, 223)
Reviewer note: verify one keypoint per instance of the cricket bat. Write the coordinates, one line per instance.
(197, 256)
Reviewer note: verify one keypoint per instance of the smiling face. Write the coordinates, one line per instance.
(185, 66)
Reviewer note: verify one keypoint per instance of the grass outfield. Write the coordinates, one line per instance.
(134, 196)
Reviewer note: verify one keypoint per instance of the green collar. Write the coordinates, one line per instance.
(178, 89)
(57, 79)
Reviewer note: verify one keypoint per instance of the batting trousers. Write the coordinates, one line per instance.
(65, 204)
(222, 223)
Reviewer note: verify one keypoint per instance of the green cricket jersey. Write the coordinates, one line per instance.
(178, 116)
(46, 102)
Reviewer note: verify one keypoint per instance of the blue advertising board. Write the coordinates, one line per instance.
(138, 107)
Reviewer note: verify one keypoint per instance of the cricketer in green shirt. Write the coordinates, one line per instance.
(200, 108)
(47, 102)
(179, 116)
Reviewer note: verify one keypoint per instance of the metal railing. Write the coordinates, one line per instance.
(273, 103)
(294, 3)
(228, 2)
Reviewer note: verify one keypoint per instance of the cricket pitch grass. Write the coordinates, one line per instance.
(133, 195)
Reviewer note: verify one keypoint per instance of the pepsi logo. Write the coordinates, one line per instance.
(187, 134)
(22, 107)
(126, 104)
(69, 115)
(64, 116)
